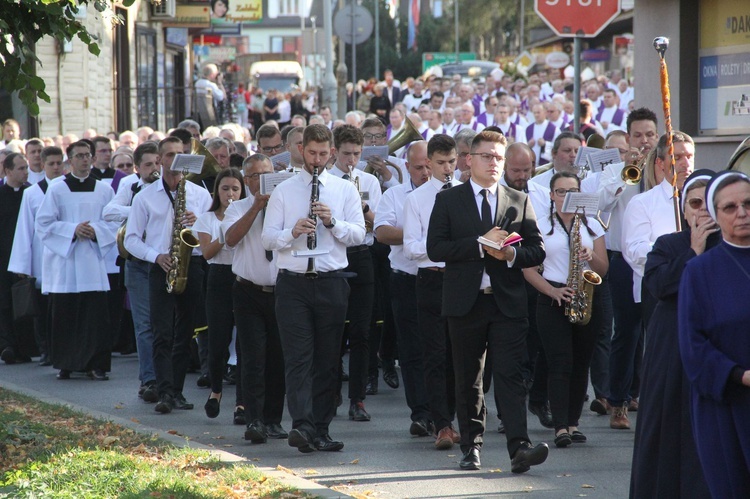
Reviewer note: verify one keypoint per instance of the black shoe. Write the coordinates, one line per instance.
(563, 439)
(300, 440)
(421, 428)
(501, 426)
(390, 376)
(44, 360)
(543, 413)
(256, 432)
(372, 385)
(470, 459)
(97, 375)
(182, 404)
(239, 416)
(577, 437)
(165, 404)
(357, 412)
(231, 376)
(326, 444)
(150, 394)
(8, 356)
(63, 374)
(203, 381)
(275, 431)
(527, 456)
(213, 407)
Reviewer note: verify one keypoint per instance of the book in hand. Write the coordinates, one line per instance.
(512, 239)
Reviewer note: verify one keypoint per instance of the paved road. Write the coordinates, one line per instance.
(380, 459)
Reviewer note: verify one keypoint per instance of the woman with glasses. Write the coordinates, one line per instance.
(713, 317)
(228, 188)
(664, 418)
(568, 347)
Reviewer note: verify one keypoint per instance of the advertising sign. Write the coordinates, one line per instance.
(724, 68)
(236, 11)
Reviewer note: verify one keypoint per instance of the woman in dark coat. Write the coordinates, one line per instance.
(665, 460)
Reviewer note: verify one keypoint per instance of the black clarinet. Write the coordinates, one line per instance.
(312, 240)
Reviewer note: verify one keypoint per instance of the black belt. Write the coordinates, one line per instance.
(264, 289)
(357, 249)
(401, 272)
(319, 275)
(614, 253)
(556, 284)
(433, 269)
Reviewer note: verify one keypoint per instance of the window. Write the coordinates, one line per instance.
(284, 44)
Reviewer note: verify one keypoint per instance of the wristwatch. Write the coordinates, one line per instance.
(366, 208)
(330, 225)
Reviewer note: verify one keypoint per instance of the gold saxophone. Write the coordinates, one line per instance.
(581, 281)
(183, 242)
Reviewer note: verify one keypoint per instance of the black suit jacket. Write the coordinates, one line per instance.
(452, 235)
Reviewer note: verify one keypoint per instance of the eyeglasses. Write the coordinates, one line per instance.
(562, 192)
(124, 165)
(374, 136)
(272, 148)
(489, 157)
(695, 203)
(731, 208)
(82, 155)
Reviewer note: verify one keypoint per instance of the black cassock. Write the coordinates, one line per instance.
(665, 459)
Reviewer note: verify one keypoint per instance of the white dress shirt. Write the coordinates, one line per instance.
(367, 183)
(391, 212)
(119, 208)
(249, 257)
(417, 210)
(648, 216)
(207, 223)
(538, 195)
(149, 232)
(557, 246)
(614, 196)
(35, 177)
(290, 201)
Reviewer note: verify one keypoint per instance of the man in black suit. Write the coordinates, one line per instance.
(484, 296)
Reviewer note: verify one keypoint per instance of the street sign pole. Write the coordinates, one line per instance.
(329, 80)
(577, 84)
(377, 42)
(354, 49)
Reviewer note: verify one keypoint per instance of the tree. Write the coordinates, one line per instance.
(25, 22)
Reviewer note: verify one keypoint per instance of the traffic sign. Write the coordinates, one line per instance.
(430, 59)
(353, 22)
(581, 18)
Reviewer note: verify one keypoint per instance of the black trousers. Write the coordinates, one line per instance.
(600, 358)
(311, 315)
(260, 358)
(172, 319)
(383, 329)
(359, 315)
(568, 348)
(410, 348)
(16, 334)
(439, 377)
(485, 329)
(220, 322)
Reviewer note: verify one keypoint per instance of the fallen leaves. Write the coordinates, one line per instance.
(587, 486)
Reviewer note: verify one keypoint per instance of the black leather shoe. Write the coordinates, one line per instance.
(357, 412)
(256, 432)
(300, 440)
(563, 439)
(239, 416)
(327, 444)
(98, 375)
(500, 426)
(213, 407)
(203, 381)
(470, 459)
(527, 456)
(421, 428)
(150, 394)
(165, 404)
(390, 376)
(182, 404)
(8, 356)
(577, 437)
(372, 385)
(44, 360)
(543, 413)
(275, 431)
(63, 374)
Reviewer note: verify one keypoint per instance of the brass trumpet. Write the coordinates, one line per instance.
(633, 172)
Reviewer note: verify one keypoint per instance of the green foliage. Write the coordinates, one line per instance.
(25, 22)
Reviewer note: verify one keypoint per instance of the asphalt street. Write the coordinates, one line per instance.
(380, 458)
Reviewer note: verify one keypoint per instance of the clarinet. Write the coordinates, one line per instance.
(312, 240)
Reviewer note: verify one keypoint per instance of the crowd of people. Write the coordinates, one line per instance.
(369, 244)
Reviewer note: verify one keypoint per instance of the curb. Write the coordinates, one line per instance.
(301, 484)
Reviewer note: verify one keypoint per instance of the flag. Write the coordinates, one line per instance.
(413, 27)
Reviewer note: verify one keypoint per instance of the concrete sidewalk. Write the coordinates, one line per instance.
(380, 458)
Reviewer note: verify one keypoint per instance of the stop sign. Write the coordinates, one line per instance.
(584, 18)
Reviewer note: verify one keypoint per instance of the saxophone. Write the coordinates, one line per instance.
(183, 242)
(581, 281)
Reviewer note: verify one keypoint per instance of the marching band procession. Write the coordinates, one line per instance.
(462, 231)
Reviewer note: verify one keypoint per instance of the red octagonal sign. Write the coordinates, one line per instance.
(584, 18)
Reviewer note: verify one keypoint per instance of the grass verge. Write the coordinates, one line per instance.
(51, 451)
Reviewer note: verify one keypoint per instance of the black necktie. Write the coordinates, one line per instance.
(346, 176)
(269, 255)
(446, 186)
(486, 210)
